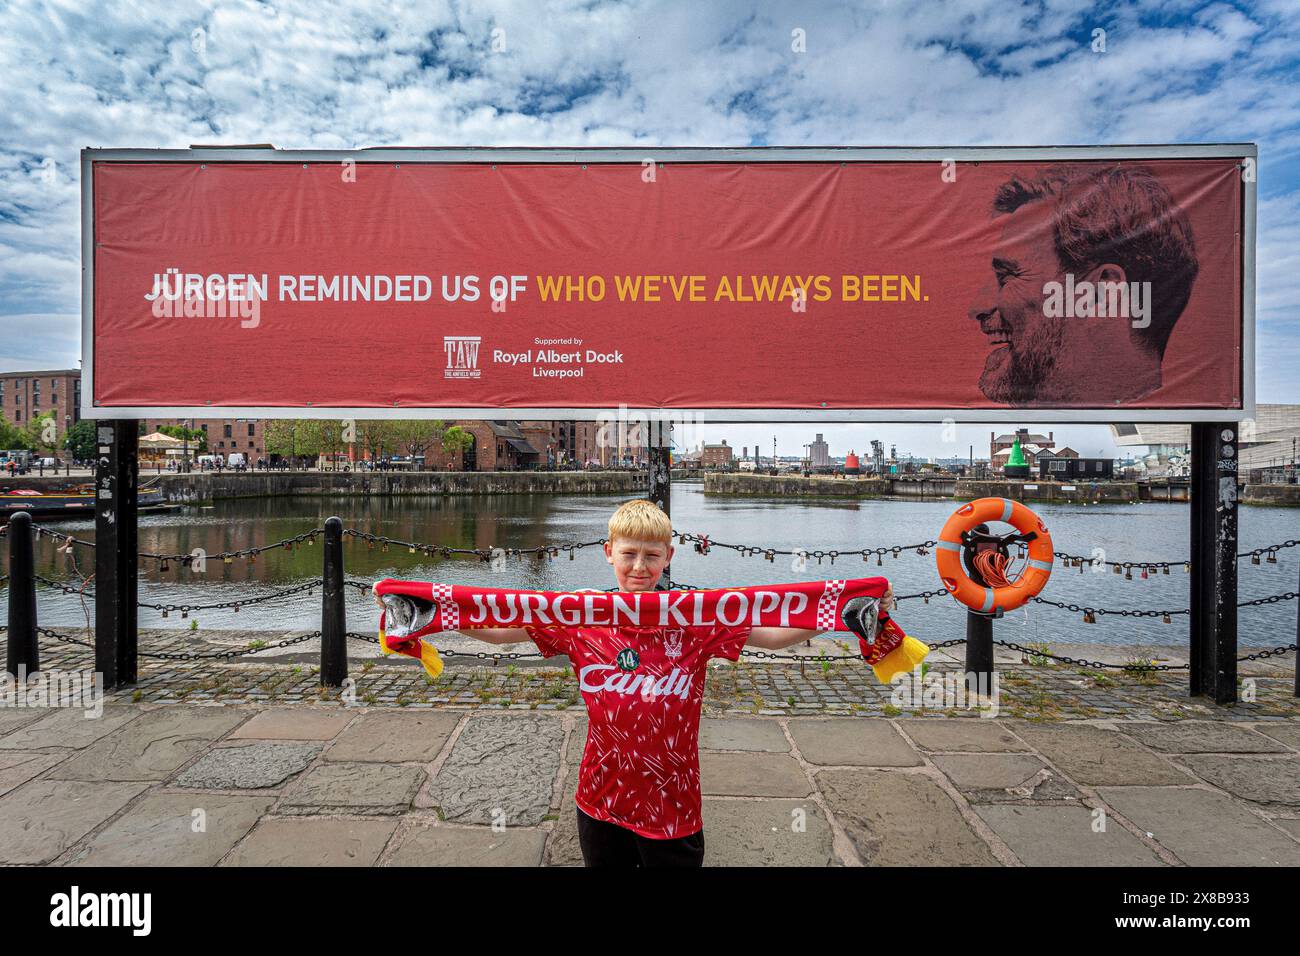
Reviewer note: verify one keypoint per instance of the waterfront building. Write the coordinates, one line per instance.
(819, 453)
(717, 456)
(1267, 445)
(28, 395)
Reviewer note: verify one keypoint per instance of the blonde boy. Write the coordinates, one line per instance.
(638, 796)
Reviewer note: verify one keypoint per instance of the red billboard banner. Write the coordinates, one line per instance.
(768, 286)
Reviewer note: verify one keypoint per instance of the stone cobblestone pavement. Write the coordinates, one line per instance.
(1039, 691)
(209, 763)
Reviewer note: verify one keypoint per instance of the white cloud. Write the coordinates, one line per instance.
(317, 73)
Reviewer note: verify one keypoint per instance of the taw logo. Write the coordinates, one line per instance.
(462, 356)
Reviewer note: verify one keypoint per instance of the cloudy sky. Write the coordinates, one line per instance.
(320, 74)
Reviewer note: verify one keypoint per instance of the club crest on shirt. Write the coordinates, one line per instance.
(673, 642)
(627, 659)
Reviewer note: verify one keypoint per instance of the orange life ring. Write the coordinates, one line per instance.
(953, 574)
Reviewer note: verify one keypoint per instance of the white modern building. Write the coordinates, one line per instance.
(1267, 444)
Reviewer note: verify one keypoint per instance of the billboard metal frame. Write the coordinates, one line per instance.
(694, 155)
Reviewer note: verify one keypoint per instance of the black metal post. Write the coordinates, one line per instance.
(659, 471)
(979, 650)
(116, 566)
(1213, 653)
(23, 650)
(333, 625)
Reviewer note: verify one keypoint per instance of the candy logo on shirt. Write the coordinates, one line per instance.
(627, 659)
(676, 683)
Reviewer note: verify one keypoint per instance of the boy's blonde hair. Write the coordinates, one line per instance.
(641, 520)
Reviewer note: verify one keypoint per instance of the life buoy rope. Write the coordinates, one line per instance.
(991, 590)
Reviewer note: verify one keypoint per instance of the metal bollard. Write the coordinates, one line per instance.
(333, 623)
(23, 651)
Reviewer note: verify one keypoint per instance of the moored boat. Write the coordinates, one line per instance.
(68, 503)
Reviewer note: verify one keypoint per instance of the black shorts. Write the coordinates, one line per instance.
(608, 844)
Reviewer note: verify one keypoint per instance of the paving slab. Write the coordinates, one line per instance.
(254, 765)
(1273, 781)
(1200, 737)
(739, 733)
(42, 819)
(1203, 828)
(11, 718)
(394, 736)
(67, 727)
(19, 766)
(562, 846)
(1289, 734)
(901, 819)
(766, 833)
(1291, 826)
(1095, 756)
(752, 775)
(287, 723)
(151, 747)
(359, 788)
(501, 768)
(429, 845)
(1065, 836)
(980, 771)
(981, 735)
(288, 842)
(850, 741)
(166, 829)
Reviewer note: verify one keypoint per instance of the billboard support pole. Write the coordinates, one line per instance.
(116, 565)
(659, 471)
(1213, 653)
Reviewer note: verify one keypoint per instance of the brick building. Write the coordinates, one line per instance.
(716, 456)
(28, 395)
(225, 435)
(499, 445)
(999, 443)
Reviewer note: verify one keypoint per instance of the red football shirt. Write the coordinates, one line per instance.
(643, 687)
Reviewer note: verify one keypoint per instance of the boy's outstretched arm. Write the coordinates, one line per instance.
(495, 635)
(776, 638)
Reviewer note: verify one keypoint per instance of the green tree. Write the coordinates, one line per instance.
(80, 440)
(419, 435)
(375, 436)
(42, 433)
(293, 437)
(195, 436)
(456, 441)
(11, 438)
(331, 432)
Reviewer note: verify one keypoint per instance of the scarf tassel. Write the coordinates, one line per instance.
(894, 652)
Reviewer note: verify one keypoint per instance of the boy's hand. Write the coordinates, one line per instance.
(887, 600)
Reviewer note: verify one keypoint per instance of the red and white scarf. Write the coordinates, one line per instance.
(813, 605)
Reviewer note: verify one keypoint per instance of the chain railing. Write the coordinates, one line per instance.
(254, 648)
(484, 554)
(702, 543)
